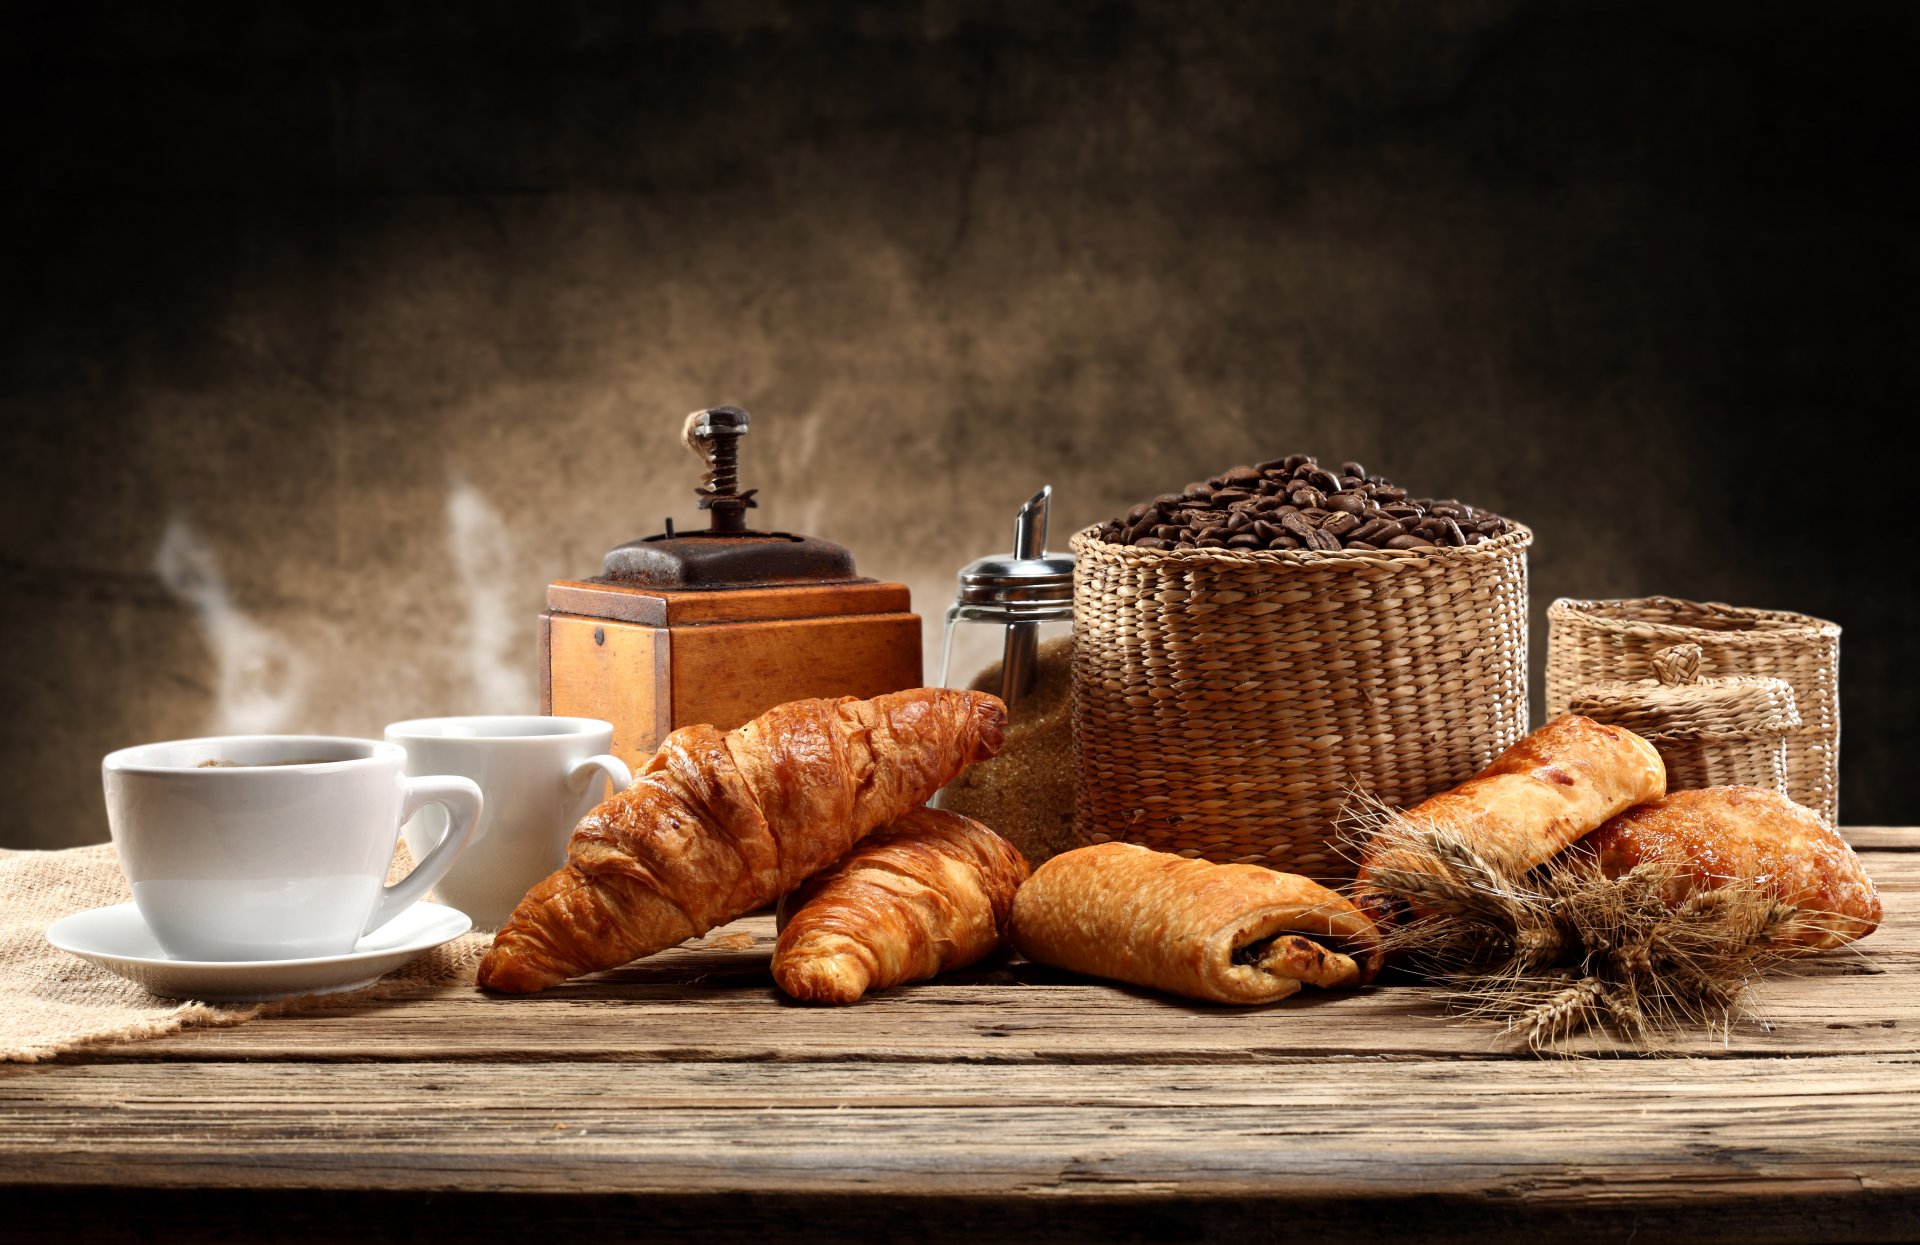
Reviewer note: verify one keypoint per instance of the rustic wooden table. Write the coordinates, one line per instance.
(685, 1097)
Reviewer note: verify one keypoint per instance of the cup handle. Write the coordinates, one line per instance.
(461, 798)
(580, 777)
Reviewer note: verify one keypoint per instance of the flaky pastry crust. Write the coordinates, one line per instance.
(933, 891)
(1224, 933)
(720, 823)
(1544, 792)
(1718, 835)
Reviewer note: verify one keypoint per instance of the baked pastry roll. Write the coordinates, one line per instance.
(1224, 933)
(1718, 835)
(1544, 792)
(931, 892)
(720, 823)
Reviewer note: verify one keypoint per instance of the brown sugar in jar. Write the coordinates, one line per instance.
(1025, 794)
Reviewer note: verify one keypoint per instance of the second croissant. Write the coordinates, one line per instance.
(929, 893)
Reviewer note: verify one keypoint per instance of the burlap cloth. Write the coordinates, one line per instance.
(52, 1002)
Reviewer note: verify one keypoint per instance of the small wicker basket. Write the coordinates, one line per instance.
(1227, 703)
(1710, 732)
(1600, 641)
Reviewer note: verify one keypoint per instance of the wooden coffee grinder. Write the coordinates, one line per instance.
(719, 625)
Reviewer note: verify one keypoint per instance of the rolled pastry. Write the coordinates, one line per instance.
(1547, 790)
(1725, 834)
(933, 891)
(1225, 933)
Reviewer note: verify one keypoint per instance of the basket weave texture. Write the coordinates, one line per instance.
(1227, 703)
(1601, 641)
(1710, 732)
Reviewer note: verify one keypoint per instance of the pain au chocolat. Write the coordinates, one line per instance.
(720, 823)
(1225, 933)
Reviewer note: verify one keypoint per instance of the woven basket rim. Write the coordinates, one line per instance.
(1519, 537)
(1751, 626)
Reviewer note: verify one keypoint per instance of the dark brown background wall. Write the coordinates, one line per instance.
(329, 333)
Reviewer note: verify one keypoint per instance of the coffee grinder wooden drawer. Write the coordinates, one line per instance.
(675, 659)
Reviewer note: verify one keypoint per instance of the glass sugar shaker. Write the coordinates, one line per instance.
(1019, 601)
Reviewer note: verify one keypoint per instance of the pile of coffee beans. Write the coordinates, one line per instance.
(1295, 503)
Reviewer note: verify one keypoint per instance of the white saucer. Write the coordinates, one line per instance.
(117, 939)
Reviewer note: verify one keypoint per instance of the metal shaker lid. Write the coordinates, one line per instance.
(1029, 580)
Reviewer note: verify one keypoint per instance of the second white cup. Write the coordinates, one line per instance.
(540, 776)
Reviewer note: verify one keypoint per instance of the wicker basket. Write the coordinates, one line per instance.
(1597, 641)
(1710, 732)
(1226, 703)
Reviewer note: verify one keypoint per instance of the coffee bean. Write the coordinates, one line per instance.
(1297, 526)
(1150, 542)
(1363, 510)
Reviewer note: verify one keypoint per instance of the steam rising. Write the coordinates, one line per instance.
(483, 556)
(257, 688)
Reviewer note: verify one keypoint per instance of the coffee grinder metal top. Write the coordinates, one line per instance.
(720, 624)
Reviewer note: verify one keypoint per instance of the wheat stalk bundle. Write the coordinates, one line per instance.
(1564, 948)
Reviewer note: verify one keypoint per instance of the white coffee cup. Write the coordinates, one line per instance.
(273, 847)
(540, 776)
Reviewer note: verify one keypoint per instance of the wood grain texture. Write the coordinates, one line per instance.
(659, 607)
(1011, 1101)
(730, 673)
(617, 672)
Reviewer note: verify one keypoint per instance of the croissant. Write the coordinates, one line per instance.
(1538, 796)
(930, 892)
(721, 823)
(1226, 933)
(1718, 835)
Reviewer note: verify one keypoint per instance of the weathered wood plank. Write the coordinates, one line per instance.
(708, 1001)
(1883, 838)
(684, 1097)
(1359, 1129)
